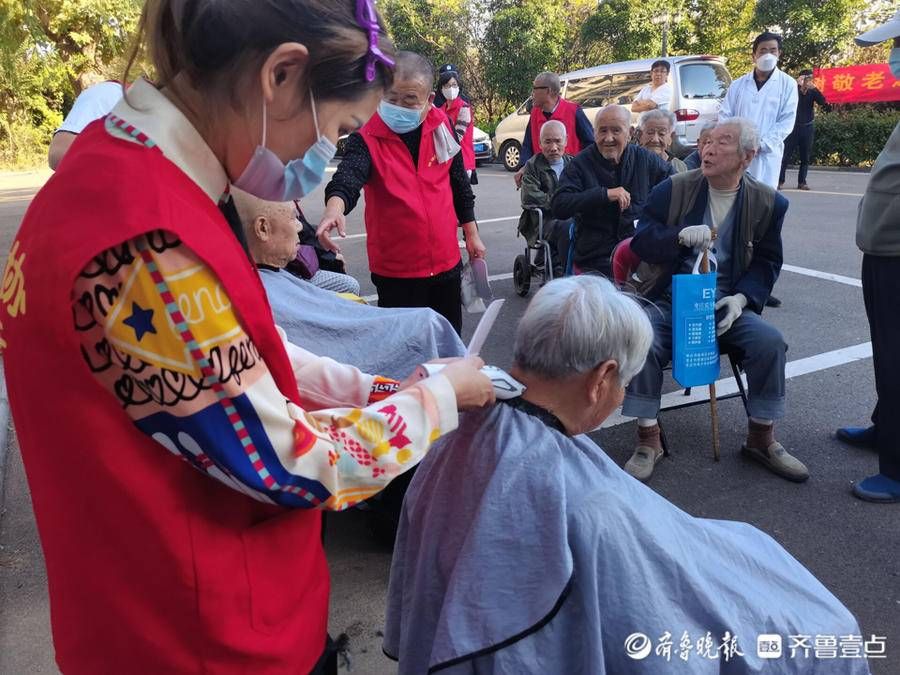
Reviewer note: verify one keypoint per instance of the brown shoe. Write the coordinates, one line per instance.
(779, 461)
(803, 186)
(781, 185)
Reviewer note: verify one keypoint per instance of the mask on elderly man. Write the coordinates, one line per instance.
(270, 179)
(767, 62)
(894, 62)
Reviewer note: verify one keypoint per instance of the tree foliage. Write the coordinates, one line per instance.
(815, 31)
(49, 51)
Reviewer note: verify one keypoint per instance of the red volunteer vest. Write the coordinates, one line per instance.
(452, 109)
(565, 112)
(410, 219)
(152, 566)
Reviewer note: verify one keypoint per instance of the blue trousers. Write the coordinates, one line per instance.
(757, 344)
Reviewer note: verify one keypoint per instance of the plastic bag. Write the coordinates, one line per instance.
(695, 351)
(476, 289)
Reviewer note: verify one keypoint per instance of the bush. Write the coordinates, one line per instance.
(853, 135)
(22, 145)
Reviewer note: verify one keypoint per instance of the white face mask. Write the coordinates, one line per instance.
(450, 93)
(767, 62)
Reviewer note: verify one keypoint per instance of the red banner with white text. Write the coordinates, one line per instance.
(867, 83)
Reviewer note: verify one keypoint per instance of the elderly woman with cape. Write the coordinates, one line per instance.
(524, 549)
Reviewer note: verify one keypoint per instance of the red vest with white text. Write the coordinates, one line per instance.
(452, 109)
(153, 567)
(410, 219)
(566, 113)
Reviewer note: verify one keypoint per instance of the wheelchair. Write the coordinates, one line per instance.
(525, 267)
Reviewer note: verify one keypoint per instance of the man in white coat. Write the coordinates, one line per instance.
(768, 97)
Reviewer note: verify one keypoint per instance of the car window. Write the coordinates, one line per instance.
(625, 87)
(588, 92)
(703, 80)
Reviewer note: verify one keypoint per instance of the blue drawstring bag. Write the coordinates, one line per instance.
(695, 351)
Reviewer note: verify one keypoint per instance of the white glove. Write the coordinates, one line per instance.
(695, 236)
(734, 307)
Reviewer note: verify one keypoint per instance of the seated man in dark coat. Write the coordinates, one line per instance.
(674, 229)
(604, 189)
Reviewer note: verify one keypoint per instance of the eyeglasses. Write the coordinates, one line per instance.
(539, 88)
(367, 19)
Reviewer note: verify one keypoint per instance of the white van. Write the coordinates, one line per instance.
(698, 84)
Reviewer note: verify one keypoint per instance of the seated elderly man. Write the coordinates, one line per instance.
(326, 324)
(539, 181)
(673, 230)
(604, 189)
(692, 161)
(656, 128)
(523, 548)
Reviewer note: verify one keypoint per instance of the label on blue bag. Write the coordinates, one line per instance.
(695, 351)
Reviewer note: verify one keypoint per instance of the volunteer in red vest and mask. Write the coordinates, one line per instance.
(547, 104)
(174, 464)
(409, 163)
(450, 98)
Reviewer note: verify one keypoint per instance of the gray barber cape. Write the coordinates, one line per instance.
(522, 550)
(377, 340)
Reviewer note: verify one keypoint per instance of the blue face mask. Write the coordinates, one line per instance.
(400, 120)
(894, 62)
(269, 179)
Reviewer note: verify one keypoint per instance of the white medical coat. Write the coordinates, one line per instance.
(773, 109)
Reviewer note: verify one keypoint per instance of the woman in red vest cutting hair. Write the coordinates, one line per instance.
(175, 461)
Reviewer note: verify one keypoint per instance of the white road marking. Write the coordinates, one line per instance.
(849, 281)
(823, 192)
(727, 385)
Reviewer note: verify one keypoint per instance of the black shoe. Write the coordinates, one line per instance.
(772, 301)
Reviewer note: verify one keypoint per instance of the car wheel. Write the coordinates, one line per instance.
(522, 275)
(511, 152)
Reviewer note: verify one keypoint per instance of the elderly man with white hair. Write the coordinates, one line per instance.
(539, 182)
(523, 548)
(674, 229)
(656, 128)
(604, 189)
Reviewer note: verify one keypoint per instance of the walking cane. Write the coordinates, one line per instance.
(713, 406)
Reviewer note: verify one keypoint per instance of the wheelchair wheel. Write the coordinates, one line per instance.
(522, 275)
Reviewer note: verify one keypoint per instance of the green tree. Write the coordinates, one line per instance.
(521, 41)
(815, 31)
(633, 29)
(49, 51)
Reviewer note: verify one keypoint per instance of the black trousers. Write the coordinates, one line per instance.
(881, 288)
(800, 138)
(441, 293)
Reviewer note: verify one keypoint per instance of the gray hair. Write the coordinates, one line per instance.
(707, 126)
(553, 125)
(548, 79)
(657, 115)
(410, 65)
(749, 136)
(574, 324)
(621, 110)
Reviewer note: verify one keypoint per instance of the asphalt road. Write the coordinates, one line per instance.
(851, 546)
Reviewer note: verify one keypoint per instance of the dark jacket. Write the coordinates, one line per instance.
(757, 252)
(539, 182)
(582, 195)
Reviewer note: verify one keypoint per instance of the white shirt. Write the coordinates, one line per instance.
(92, 104)
(772, 108)
(661, 96)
